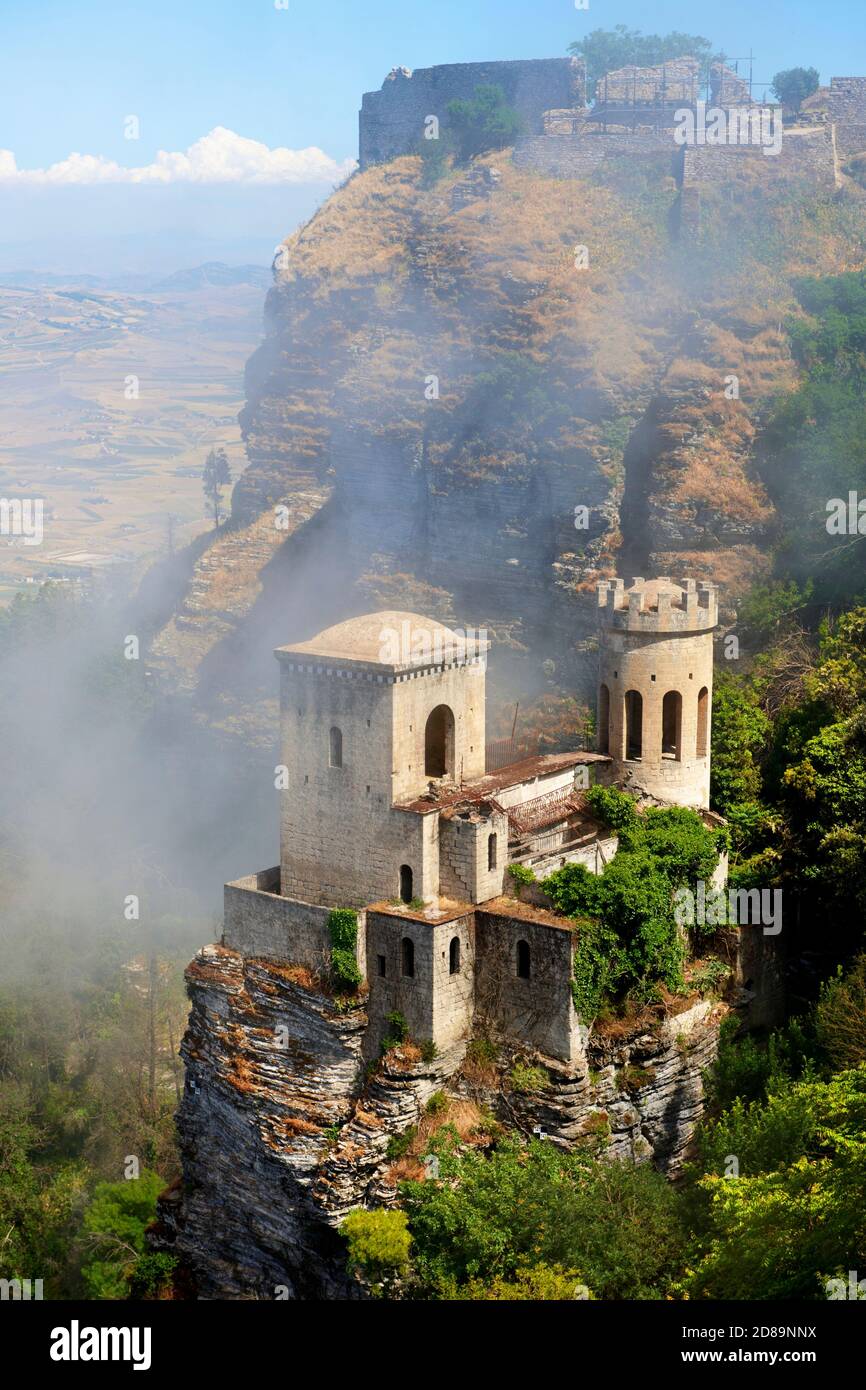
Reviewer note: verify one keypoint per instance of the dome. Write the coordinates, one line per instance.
(392, 639)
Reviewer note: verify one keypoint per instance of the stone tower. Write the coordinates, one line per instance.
(372, 711)
(656, 686)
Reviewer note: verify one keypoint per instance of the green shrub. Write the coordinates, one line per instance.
(524, 1077)
(530, 1204)
(711, 977)
(486, 122)
(400, 1144)
(343, 931)
(483, 1052)
(397, 1026)
(521, 874)
(398, 1031)
(152, 1275)
(840, 1017)
(437, 1103)
(429, 1050)
(379, 1244)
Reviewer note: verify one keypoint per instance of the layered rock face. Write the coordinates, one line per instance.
(283, 1130)
(478, 394)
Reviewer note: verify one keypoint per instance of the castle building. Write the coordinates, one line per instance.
(392, 121)
(656, 686)
(388, 809)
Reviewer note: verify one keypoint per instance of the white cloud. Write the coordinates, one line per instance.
(220, 157)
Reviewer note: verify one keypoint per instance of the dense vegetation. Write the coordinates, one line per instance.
(771, 1207)
(628, 939)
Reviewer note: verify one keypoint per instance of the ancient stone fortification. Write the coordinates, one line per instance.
(392, 120)
(289, 1103)
(656, 686)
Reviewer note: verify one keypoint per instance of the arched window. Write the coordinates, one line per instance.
(454, 956)
(491, 851)
(703, 721)
(524, 969)
(439, 743)
(335, 748)
(407, 955)
(603, 719)
(406, 890)
(672, 725)
(633, 724)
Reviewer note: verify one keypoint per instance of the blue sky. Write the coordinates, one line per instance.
(72, 72)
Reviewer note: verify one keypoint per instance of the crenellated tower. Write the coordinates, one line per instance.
(656, 685)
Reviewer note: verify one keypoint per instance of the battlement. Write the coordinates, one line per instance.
(392, 121)
(658, 605)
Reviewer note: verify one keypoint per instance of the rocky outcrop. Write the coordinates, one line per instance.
(493, 388)
(283, 1129)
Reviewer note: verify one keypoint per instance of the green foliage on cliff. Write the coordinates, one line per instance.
(789, 749)
(486, 122)
(343, 930)
(487, 1220)
(379, 1244)
(814, 447)
(793, 1215)
(630, 943)
(114, 1226)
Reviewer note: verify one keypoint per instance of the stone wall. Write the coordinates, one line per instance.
(539, 1010)
(342, 843)
(435, 1003)
(392, 120)
(806, 155)
(464, 854)
(567, 156)
(261, 923)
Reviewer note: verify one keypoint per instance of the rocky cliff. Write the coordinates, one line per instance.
(283, 1129)
(451, 368)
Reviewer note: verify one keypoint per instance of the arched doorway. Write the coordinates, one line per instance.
(633, 724)
(672, 725)
(603, 719)
(407, 956)
(454, 956)
(406, 886)
(703, 721)
(439, 743)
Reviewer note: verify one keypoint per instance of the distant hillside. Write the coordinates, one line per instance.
(214, 273)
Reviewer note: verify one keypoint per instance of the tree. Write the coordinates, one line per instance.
(487, 1220)
(115, 1223)
(793, 1218)
(215, 476)
(379, 1244)
(604, 50)
(794, 85)
(486, 122)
